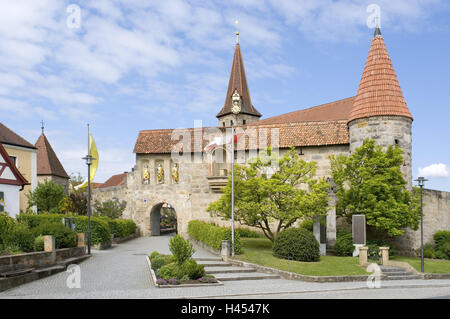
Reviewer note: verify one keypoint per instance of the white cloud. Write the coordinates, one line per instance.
(435, 170)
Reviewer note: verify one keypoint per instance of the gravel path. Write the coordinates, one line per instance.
(121, 272)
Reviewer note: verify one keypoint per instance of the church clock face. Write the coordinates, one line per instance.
(236, 108)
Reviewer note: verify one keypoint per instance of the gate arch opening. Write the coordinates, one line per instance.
(163, 219)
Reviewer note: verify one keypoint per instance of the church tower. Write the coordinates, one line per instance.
(238, 93)
(380, 111)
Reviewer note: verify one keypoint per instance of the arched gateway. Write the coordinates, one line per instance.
(163, 219)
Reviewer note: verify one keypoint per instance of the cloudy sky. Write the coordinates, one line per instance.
(128, 65)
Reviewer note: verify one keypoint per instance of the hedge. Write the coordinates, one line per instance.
(212, 235)
(298, 244)
(101, 227)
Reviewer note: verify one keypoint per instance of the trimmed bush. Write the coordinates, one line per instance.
(213, 235)
(160, 261)
(344, 243)
(181, 249)
(19, 237)
(121, 227)
(99, 229)
(442, 241)
(191, 269)
(33, 220)
(6, 225)
(39, 243)
(170, 271)
(428, 251)
(64, 237)
(153, 255)
(307, 224)
(380, 243)
(298, 244)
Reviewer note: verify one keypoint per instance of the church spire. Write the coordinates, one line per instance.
(379, 92)
(238, 82)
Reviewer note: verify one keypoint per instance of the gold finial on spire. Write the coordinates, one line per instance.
(237, 31)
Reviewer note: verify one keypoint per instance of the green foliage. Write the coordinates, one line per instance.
(153, 255)
(160, 260)
(121, 227)
(442, 241)
(380, 243)
(344, 243)
(100, 232)
(170, 271)
(262, 198)
(213, 235)
(191, 269)
(110, 208)
(39, 243)
(6, 225)
(47, 197)
(297, 244)
(77, 202)
(247, 233)
(181, 249)
(370, 182)
(32, 220)
(64, 237)
(19, 237)
(429, 251)
(307, 224)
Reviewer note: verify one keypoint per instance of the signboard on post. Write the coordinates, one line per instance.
(358, 232)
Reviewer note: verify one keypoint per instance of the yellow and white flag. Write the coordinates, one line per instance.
(94, 165)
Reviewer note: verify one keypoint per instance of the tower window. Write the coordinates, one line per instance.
(231, 122)
(243, 122)
(223, 124)
(301, 152)
(396, 141)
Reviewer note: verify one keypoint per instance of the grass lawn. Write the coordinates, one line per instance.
(259, 251)
(435, 266)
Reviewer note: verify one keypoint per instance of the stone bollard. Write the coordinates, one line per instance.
(363, 255)
(226, 249)
(384, 255)
(81, 240)
(50, 246)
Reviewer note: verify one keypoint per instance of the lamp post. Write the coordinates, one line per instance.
(235, 109)
(89, 160)
(421, 180)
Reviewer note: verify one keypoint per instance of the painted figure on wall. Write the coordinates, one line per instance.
(175, 175)
(146, 177)
(160, 174)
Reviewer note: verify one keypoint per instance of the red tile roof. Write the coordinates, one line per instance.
(379, 92)
(238, 81)
(47, 161)
(334, 111)
(115, 180)
(7, 136)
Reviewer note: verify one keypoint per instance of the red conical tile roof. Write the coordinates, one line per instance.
(379, 92)
(238, 81)
(47, 161)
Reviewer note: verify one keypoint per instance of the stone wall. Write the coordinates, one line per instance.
(436, 216)
(64, 182)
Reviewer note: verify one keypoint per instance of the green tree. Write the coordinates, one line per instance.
(264, 195)
(370, 182)
(47, 197)
(110, 208)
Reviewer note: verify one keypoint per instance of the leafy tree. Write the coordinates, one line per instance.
(264, 195)
(47, 197)
(75, 179)
(110, 208)
(370, 182)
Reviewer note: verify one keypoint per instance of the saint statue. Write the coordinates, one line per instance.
(175, 176)
(160, 174)
(146, 178)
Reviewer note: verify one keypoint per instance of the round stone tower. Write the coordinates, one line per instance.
(380, 111)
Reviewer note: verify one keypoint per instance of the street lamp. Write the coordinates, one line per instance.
(421, 180)
(89, 160)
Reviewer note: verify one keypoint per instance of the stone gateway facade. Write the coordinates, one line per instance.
(187, 168)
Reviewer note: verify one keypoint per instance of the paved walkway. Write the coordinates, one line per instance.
(121, 272)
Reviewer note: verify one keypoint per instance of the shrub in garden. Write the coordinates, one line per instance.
(442, 241)
(100, 232)
(47, 197)
(191, 269)
(121, 227)
(153, 255)
(19, 237)
(247, 233)
(6, 224)
(212, 235)
(298, 244)
(307, 224)
(181, 249)
(428, 251)
(64, 236)
(169, 271)
(344, 243)
(380, 243)
(160, 261)
(110, 208)
(39, 243)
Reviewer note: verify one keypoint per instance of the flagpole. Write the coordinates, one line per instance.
(89, 193)
(232, 189)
